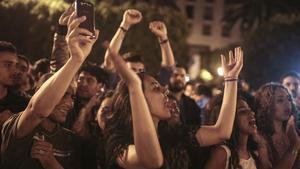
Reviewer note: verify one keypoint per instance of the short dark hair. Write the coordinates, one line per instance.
(41, 66)
(7, 47)
(100, 74)
(24, 58)
(133, 57)
(202, 89)
(290, 74)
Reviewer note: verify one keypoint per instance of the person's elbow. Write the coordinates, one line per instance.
(155, 162)
(39, 110)
(224, 133)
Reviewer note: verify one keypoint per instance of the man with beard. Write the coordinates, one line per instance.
(91, 81)
(21, 77)
(33, 138)
(189, 111)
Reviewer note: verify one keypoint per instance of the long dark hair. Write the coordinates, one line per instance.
(118, 129)
(212, 114)
(118, 132)
(265, 108)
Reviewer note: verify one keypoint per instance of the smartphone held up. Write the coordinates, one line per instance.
(86, 9)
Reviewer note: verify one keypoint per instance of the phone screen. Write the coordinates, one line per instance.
(86, 9)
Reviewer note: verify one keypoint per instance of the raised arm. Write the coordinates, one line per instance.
(130, 17)
(146, 151)
(160, 30)
(80, 126)
(60, 52)
(209, 135)
(50, 93)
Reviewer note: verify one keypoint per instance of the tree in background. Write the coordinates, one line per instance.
(252, 13)
(30, 25)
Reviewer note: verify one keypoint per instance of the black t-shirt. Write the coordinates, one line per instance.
(177, 142)
(14, 101)
(15, 153)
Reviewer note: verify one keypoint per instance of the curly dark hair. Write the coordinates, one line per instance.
(265, 108)
(118, 132)
(212, 114)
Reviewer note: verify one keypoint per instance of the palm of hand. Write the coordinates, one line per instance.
(235, 64)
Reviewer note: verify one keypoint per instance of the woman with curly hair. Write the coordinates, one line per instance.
(140, 102)
(245, 149)
(275, 112)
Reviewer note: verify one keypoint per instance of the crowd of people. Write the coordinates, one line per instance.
(72, 114)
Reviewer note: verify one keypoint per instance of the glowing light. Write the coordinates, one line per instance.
(187, 78)
(220, 71)
(206, 75)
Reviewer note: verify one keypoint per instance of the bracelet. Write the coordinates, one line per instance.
(164, 41)
(123, 29)
(231, 80)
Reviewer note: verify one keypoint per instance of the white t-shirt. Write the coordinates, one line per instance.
(246, 164)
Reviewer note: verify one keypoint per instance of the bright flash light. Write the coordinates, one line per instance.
(220, 71)
(206, 75)
(187, 78)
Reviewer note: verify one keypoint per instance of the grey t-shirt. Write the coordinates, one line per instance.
(15, 153)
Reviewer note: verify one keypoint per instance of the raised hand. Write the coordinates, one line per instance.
(63, 19)
(80, 41)
(235, 64)
(131, 17)
(159, 29)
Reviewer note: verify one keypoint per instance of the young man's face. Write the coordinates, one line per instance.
(22, 71)
(8, 64)
(87, 85)
(65, 105)
(292, 83)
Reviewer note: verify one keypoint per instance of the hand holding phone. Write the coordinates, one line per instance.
(86, 9)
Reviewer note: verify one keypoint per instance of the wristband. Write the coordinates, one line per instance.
(231, 79)
(164, 41)
(123, 29)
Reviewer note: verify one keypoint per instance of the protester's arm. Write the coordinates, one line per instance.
(130, 17)
(160, 30)
(80, 126)
(50, 93)
(209, 135)
(43, 151)
(60, 52)
(146, 151)
(4, 115)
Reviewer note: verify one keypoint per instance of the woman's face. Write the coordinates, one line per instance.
(245, 117)
(156, 96)
(104, 111)
(283, 105)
